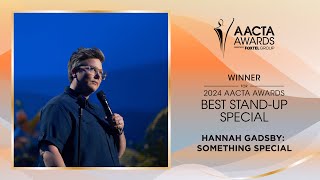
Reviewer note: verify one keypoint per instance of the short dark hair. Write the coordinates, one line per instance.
(83, 54)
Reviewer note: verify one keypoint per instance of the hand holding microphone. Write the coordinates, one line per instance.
(115, 119)
(118, 122)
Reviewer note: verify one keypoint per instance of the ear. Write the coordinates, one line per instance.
(73, 72)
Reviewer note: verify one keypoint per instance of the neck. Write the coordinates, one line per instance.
(79, 90)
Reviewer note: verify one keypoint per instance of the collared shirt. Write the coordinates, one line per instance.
(60, 126)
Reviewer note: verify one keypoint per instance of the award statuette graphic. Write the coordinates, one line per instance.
(220, 35)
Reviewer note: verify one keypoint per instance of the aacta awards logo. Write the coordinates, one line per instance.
(248, 37)
(222, 37)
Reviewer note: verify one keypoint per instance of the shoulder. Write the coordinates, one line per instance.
(97, 108)
(59, 109)
(62, 101)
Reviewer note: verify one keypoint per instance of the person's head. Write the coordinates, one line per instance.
(85, 70)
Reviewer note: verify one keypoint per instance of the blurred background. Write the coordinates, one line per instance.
(136, 50)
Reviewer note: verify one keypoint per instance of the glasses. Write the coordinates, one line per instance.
(93, 70)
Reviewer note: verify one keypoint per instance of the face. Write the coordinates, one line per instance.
(87, 79)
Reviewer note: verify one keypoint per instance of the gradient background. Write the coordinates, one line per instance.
(196, 60)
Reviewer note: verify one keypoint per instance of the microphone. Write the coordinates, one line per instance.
(103, 100)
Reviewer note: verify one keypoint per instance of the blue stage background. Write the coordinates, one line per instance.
(136, 50)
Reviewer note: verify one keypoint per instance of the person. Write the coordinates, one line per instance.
(98, 141)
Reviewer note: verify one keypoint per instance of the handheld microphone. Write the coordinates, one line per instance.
(103, 100)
